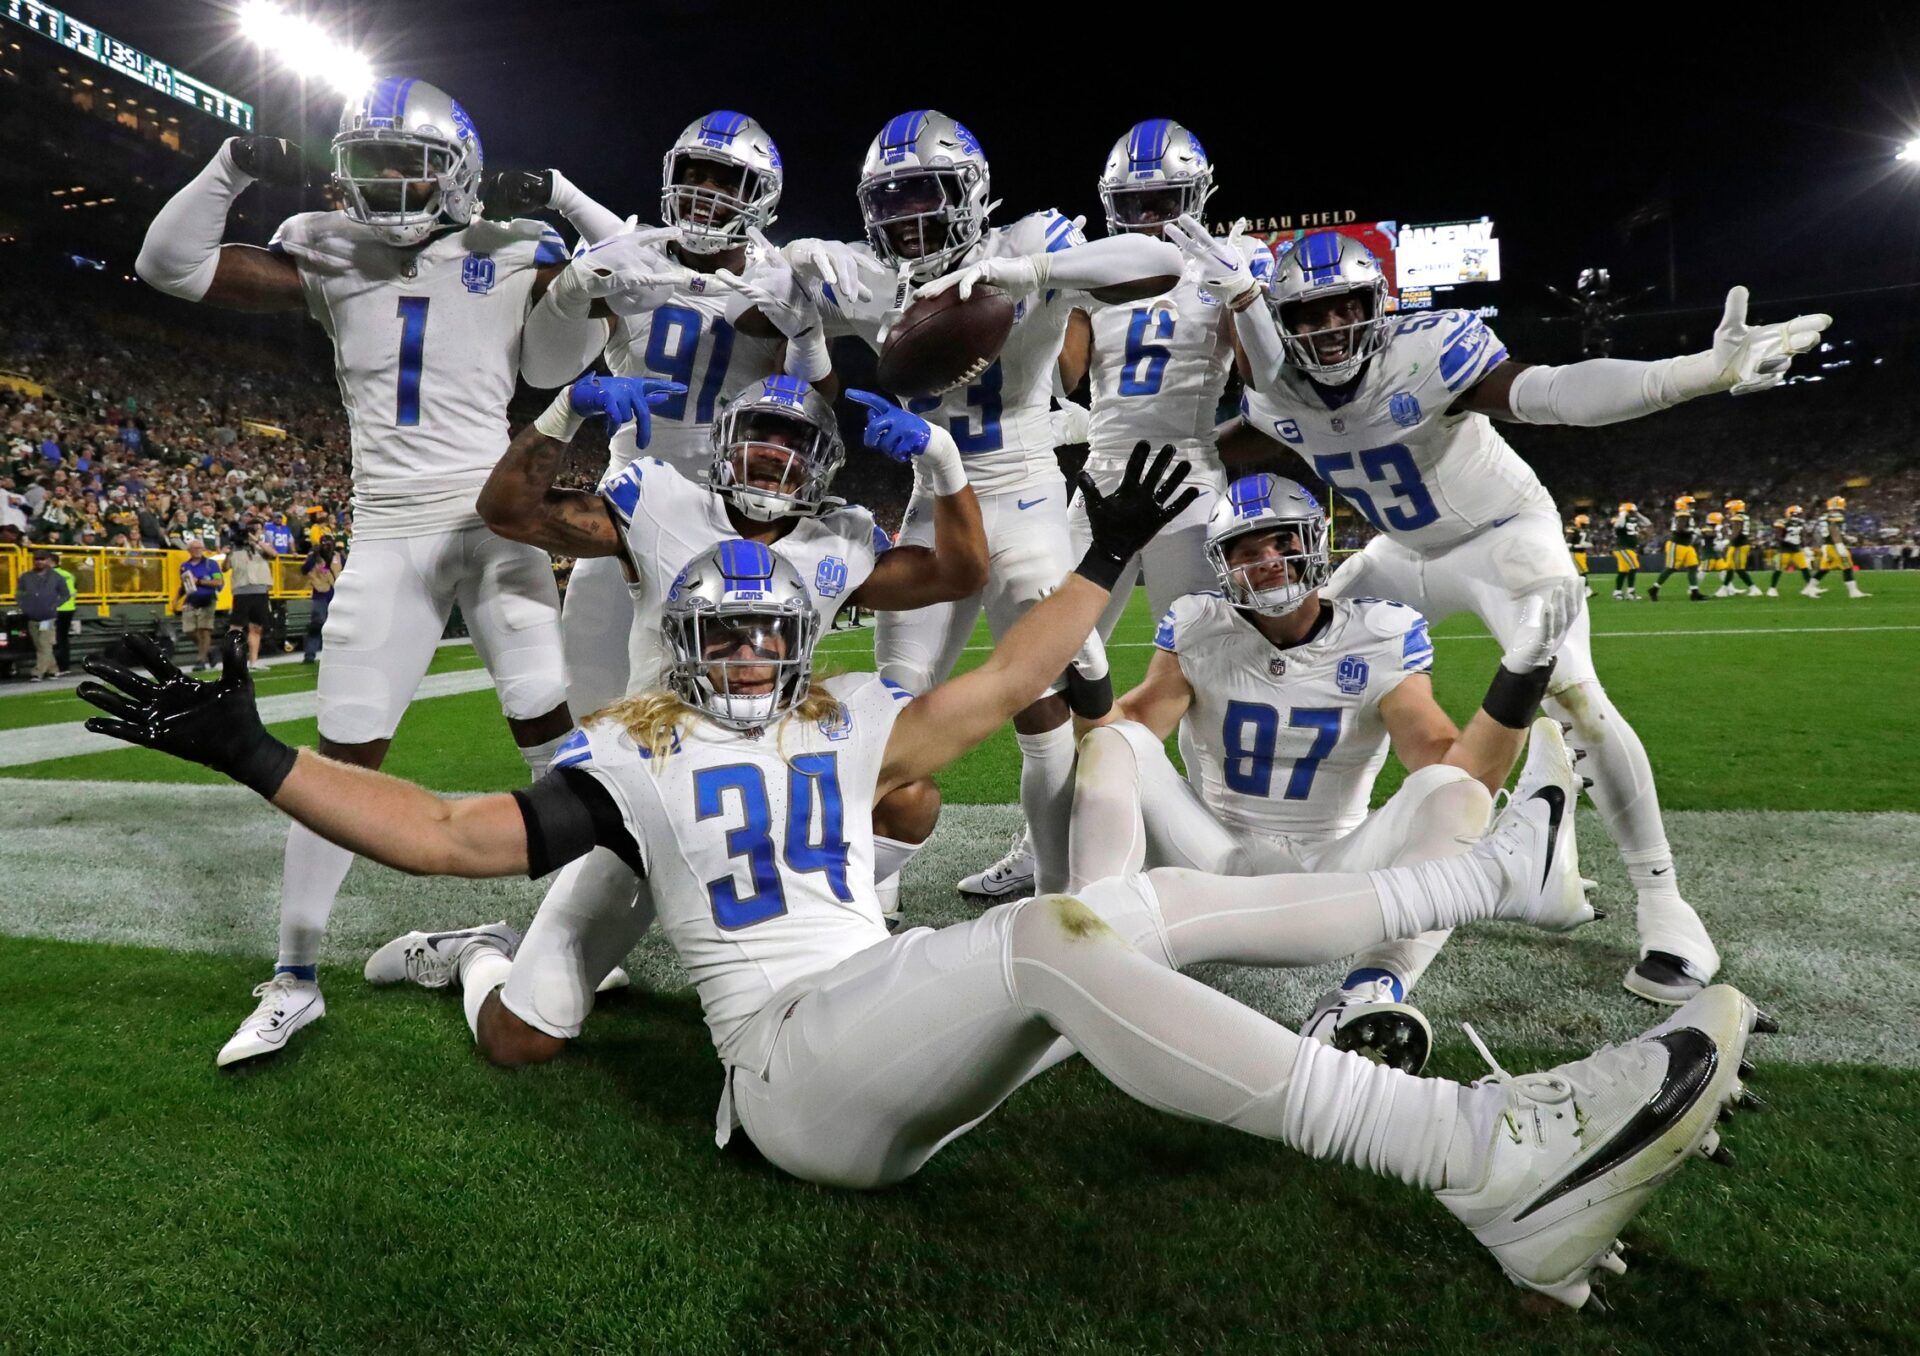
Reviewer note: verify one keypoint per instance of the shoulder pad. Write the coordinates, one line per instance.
(1468, 350)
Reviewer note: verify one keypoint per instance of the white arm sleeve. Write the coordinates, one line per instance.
(1597, 391)
(1260, 338)
(182, 250)
(594, 222)
(555, 347)
(1109, 262)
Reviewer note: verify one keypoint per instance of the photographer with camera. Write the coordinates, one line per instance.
(321, 567)
(250, 558)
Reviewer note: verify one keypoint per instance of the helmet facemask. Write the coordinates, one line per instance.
(713, 198)
(1272, 583)
(405, 186)
(742, 665)
(1335, 353)
(924, 218)
(773, 463)
(1147, 208)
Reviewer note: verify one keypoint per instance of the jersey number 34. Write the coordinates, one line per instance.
(810, 777)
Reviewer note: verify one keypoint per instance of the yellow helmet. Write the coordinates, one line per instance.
(1628, 506)
(1794, 510)
(1715, 519)
(1579, 520)
(1836, 502)
(1684, 504)
(1736, 506)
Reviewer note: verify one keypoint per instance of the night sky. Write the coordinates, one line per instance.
(1774, 148)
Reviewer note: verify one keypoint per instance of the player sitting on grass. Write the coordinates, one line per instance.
(744, 790)
(1291, 700)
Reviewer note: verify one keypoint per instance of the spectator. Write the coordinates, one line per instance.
(198, 591)
(41, 591)
(322, 568)
(251, 561)
(63, 621)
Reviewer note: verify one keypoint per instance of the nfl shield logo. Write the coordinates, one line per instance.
(1404, 408)
(1351, 676)
(1277, 666)
(1339, 424)
(476, 273)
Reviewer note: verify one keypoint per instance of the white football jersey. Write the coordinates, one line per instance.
(692, 339)
(667, 520)
(757, 846)
(426, 347)
(1159, 367)
(1002, 421)
(1426, 478)
(1288, 742)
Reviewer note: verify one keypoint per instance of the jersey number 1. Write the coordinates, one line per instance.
(810, 776)
(413, 355)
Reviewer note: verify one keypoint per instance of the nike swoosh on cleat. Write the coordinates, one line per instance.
(1692, 1058)
(277, 1035)
(1660, 870)
(1556, 800)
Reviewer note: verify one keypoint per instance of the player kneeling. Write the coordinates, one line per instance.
(1292, 700)
(852, 1056)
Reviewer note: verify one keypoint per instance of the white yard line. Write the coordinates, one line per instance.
(38, 743)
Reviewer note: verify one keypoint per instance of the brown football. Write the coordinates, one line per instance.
(943, 342)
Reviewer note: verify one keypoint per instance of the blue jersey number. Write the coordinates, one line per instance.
(1135, 380)
(1408, 508)
(1251, 734)
(983, 395)
(811, 777)
(673, 346)
(413, 355)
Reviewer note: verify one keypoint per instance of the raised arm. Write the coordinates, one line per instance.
(520, 501)
(937, 728)
(955, 566)
(182, 254)
(1116, 269)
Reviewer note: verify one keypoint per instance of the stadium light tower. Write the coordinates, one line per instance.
(1910, 153)
(304, 47)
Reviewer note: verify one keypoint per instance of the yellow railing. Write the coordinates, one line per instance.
(105, 577)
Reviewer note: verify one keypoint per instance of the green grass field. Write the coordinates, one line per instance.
(379, 1187)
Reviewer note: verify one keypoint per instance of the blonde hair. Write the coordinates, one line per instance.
(654, 718)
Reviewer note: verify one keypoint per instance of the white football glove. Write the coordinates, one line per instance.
(1225, 274)
(829, 263)
(1071, 424)
(1020, 276)
(1747, 357)
(633, 272)
(773, 286)
(1546, 615)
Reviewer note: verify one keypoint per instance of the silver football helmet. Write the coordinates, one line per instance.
(1154, 173)
(721, 176)
(408, 160)
(1329, 264)
(923, 192)
(1272, 584)
(776, 447)
(740, 628)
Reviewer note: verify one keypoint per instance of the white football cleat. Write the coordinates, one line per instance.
(432, 959)
(1773, 593)
(1532, 840)
(1012, 877)
(1811, 590)
(1579, 1149)
(1367, 1020)
(1754, 592)
(617, 978)
(1855, 591)
(287, 1003)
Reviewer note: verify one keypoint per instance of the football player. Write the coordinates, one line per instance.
(425, 303)
(744, 790)
(1394, 412)
(1579, 544)
(1835, 554)
(1739, 529)
(1790, 552)
(1683, 551)
(1293, 701)
(925, 197)
(721, 183)
(773, 453)
(1629, 526)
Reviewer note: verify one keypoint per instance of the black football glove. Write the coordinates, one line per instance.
(1127, 519)
(272, 160)
(512, 193)
(213, 724)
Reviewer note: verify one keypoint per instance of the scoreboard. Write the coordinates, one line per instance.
(83, 39)
(1419, 261)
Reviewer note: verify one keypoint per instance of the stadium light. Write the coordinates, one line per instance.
(304, 47)
(1910, 152)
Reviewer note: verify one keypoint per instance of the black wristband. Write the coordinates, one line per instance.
(1087, 698)
(265, 766)
(1101, 566)
(1512, 698)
